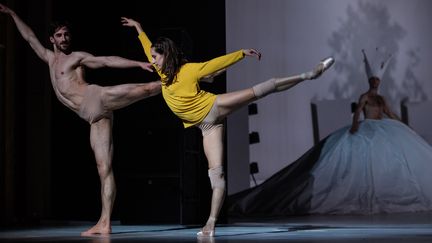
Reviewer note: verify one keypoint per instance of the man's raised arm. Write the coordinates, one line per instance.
(27, 33)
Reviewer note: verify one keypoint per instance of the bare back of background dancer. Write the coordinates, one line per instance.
(93, 103)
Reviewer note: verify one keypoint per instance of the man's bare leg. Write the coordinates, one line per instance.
(213, 148)
(102, 145)
(119, 96)
(113, 97)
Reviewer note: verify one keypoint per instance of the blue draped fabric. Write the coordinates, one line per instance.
(385, 167)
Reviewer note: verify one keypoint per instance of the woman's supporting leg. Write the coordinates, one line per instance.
(213, 149)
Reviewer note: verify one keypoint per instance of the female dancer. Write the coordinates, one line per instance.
(196, 107)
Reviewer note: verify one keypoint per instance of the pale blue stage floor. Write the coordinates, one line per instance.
(410, 228)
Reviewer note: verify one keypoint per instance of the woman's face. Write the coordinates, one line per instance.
(157, 59)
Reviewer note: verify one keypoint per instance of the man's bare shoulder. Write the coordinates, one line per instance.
(80, 54)
(76, 56)
(49, 54)
(364, 96)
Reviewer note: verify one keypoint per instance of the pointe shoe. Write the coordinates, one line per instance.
(325, 64)
(210, 233)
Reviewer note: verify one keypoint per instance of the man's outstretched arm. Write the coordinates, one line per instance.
(27, 34)
(91, 61)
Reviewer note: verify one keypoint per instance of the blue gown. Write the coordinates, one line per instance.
(385, 167)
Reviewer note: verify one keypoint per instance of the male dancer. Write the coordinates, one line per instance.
(93, 103)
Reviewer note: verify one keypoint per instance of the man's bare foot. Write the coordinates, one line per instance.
(98, 229)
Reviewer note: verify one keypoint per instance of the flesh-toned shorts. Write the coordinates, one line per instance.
(211, 121)
(92, 108)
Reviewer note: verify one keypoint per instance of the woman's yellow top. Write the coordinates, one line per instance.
(184, 96)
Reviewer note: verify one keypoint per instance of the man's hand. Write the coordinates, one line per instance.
(353, 129)
(146, 66)
(5, 9)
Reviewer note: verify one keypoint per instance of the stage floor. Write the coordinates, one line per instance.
(410, 228)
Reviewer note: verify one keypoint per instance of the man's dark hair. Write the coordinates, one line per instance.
(56, 25)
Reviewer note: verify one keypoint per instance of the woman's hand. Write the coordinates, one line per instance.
(252, 53)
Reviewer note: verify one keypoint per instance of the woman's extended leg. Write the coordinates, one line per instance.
(232, 101)
(281, 84)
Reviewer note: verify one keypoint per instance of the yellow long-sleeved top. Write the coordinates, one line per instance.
(184, 96)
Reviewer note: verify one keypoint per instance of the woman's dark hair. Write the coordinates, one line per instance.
(173, 58)
(56, 25)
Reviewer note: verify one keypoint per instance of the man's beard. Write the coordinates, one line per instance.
(63, 46)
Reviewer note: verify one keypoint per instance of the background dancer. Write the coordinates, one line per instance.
(374, 166)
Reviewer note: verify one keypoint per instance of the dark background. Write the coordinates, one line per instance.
(47, 168)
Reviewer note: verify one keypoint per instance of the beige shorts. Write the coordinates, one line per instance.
(211, 121)
(92, 108)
